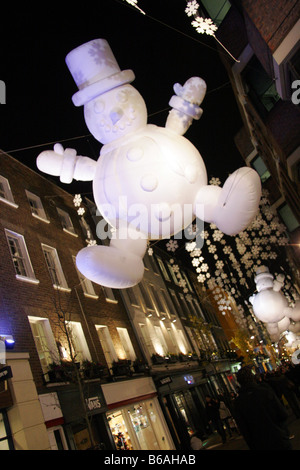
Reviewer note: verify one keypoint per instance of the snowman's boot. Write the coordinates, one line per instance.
(232, 207)
(119, 265)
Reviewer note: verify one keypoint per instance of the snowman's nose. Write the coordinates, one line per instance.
(115, 115)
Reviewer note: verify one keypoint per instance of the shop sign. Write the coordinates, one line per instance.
(165, 380)
(93, 403)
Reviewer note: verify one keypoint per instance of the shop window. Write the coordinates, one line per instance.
(138, 426)
(260, 88)
(259, 165)
(107, 344)
(66, 222)
(126, 343)
(79, 344)
(86, 284)
(54, 268)
(6, 442)
(20, 257)
(288, 217)
(6, 193)
(36, 206)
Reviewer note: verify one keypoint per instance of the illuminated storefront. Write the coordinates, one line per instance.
(137, 422)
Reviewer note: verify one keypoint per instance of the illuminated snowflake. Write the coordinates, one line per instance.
(91, 242)
(204, 25)
(81, 211)
(191, 8)
(217, 235)
(77, 200)
(190, 246)
(134, 4)
(150, 251)
(215, 181)
(212, 249)
(195, 262)
(172, 245)
(201, 278)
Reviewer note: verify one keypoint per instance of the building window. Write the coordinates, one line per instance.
(86, 284)
(36, 206)
(66, 222)
(150, 264)
(146, 297)
(126, 343)
(20, 257)
(107, 344)
(161, 309)
(109, 295)
(259, 165)
(133, 297)
(260, 88)
(79, 344)
(44, 341)
(54, 267)
(163, 269)
(216, 9)
(5, 192)
(288, 217)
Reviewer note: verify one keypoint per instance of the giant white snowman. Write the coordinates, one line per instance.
(149, 182)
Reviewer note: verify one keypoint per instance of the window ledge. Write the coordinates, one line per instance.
(111, 301)
(70, 233)
(63, 289)
(31, 280)
(40, 218)
(10, 203)
(91, 296)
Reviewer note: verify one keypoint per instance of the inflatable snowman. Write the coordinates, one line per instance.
(149, 182)
(271, 306)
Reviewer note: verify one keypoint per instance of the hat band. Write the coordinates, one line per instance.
(90, 92)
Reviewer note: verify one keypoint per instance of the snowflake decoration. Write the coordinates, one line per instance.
(201, 278)
(191, 8)
(190, 246)
(91, 242)
(215, 181)
(150, 251)
(172, 245)
(217, 235)
(77, 200)
(81, 211)
(204, 25)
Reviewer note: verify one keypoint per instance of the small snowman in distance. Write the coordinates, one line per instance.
(149, 182)
(271, 307)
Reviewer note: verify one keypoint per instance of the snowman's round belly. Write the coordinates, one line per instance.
(151, 187)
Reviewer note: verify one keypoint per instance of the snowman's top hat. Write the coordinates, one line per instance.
(95, 70)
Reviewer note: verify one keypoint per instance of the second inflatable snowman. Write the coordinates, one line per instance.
(149, 182)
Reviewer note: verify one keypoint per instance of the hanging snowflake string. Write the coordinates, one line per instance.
(134, 4)
(77, 200)
(203, 25)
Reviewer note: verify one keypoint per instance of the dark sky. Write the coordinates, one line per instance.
(161, 47)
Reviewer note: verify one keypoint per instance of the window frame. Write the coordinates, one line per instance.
(41, 214)
(9, 198)
(62, 285)
(20, 243)
(66, 222)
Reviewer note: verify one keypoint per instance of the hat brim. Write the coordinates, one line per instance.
(90, 92)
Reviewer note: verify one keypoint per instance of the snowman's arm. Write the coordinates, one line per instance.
(66, 164)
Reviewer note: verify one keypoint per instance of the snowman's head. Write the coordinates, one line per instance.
(115, 113)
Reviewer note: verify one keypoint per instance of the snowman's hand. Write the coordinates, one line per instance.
(185, 104)
(66, 164)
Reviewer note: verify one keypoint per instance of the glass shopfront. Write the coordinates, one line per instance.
(138, 426)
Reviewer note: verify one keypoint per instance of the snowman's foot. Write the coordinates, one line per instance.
(112, 266)
(232, 207)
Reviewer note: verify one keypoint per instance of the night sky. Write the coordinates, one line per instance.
(161, 47)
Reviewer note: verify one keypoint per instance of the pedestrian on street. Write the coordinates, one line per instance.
(213, 415)
(225, 416)
(260, 415)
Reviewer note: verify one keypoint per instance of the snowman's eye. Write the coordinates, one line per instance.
(99, 106)
(122, 96)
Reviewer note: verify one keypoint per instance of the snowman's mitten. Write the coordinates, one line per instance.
(66, 164)
(185, 104)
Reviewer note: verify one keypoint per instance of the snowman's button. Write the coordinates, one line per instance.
(135, 153)
(149, 182)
